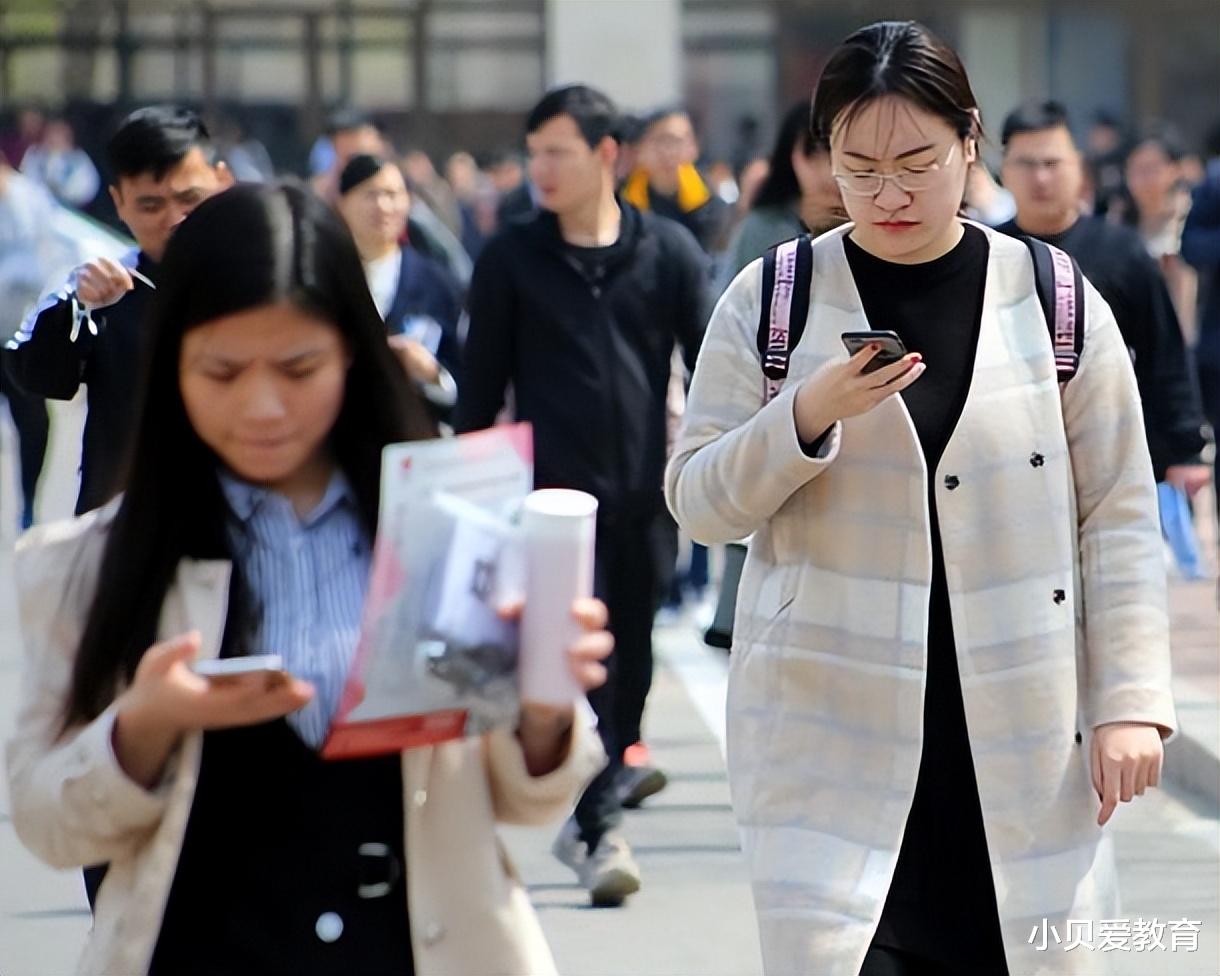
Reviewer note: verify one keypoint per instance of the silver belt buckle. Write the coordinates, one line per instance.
(393, 870)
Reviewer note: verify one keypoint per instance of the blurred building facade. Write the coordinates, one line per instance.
(443, 73)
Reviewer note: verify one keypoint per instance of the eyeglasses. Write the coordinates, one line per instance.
(869, 183)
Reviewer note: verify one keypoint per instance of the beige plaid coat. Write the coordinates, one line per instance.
(1053, 557)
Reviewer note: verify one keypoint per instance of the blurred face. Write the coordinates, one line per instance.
(1044, 173)
(912, 216)
(753, 175)
(506, 175)
(1151, 177)
(567, 173)
(263, 388)
(818, 187)
(30, 123)
(365, 140)
(152, 209)
(462, 174)
(668, 145)
(376, 211)
(57, 136)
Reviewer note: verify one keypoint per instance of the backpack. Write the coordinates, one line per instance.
(787, 278)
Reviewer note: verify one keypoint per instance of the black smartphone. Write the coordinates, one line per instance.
(890, 352)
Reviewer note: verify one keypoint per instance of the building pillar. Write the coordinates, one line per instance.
(631, 50)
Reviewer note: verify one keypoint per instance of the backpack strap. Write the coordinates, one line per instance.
(787, 273)
(1060, 287)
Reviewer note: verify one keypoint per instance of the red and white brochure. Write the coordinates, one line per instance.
(435, 660)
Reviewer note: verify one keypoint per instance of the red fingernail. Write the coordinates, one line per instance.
(917, 358)
(873, 346)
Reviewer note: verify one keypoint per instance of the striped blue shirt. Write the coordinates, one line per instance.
(307, 579)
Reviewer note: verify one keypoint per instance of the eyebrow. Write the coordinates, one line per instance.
(909, 152)
(215, 359)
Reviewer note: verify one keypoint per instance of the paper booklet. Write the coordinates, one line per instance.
(435, 661)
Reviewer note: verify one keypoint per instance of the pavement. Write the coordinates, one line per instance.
(694, 914)
(1192, 759)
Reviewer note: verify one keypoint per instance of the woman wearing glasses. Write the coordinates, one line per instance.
(951, 656)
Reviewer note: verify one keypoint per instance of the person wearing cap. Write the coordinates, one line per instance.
(415, 296)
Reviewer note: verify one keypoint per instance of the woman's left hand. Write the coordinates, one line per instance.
(544, 729)
(1126, 760)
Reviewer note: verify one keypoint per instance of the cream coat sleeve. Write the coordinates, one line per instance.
(1126, 622)
(737, 460)
(519, 798)
(72, 803)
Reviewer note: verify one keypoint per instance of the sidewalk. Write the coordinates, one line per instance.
(1192, 760)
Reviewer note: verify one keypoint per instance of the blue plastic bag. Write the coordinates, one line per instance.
(1178, 528)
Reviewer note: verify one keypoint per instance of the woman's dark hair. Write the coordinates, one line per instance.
(895, 58)
(247, 247)
(781, 186)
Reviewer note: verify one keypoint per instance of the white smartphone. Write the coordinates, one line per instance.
(233, 667)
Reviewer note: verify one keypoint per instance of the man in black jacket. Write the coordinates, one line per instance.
(1201, 247)
(1043, 170)
(89, 330)
(578, 308)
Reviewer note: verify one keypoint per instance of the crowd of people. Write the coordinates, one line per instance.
(248, 359)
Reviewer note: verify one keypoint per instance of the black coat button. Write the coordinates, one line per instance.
(1036, 460)
(952, 481)
(1059, 597)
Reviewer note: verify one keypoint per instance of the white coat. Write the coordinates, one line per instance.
(73, 805)
(1054, 566)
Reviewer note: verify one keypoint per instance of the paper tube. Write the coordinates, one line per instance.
(558, 528)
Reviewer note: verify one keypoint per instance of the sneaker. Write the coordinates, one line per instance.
(635, 784)
(568, 848)
(609, 872)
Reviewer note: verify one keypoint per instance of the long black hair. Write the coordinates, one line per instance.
(247, 247)
(781, 187)
(895, 58)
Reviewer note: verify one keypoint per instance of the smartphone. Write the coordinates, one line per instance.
(222, 668)
(891, 350)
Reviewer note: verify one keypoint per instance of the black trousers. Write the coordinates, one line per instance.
(634, 563)
(33, 429)
(883, 961)
(1209, 388)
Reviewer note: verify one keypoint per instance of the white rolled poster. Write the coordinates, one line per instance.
(558, 528)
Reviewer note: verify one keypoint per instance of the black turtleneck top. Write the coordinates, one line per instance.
(941, 904)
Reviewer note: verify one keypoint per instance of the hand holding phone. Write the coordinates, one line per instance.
(169, 697)
(847, 389)
(890, 348)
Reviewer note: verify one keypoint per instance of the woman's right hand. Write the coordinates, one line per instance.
(167, 699)
(842, 389)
